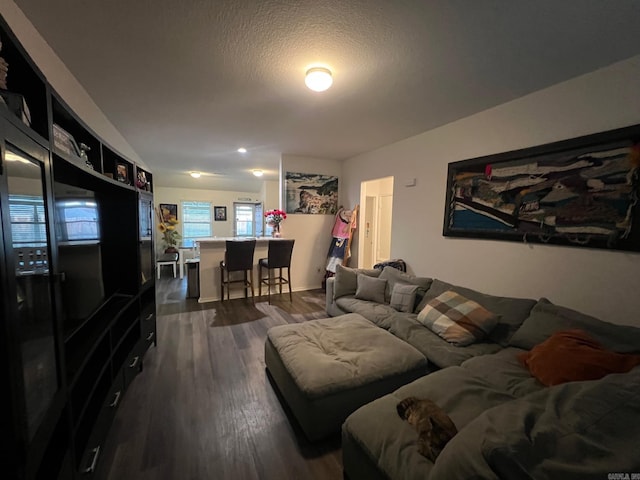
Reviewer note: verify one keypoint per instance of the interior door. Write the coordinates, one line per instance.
(383, 232)
(370, 214)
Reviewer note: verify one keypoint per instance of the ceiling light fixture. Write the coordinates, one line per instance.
(195, 174)
(318, 79)
(257, 173)
(242, 150)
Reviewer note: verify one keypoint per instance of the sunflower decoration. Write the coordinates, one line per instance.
(167, 224)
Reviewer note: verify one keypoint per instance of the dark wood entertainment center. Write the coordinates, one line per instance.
(77, 289)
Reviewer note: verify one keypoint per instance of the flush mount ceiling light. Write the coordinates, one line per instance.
(195, 174)
(318, 79)
(242, 150)
(257, 173)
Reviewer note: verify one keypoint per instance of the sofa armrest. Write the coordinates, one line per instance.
(332, 309)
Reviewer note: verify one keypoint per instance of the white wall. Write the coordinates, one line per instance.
(311, 232)
(216, 197)
(63, 82)
(270, 193)
(602, 283)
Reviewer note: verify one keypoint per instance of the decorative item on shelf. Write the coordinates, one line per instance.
(16, 104)
(168, 224)
(64, 141)
(4, 69)
(274, 219)
(84, 148)
(141, 181)
(122, 173)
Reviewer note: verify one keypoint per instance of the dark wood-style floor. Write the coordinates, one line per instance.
(203, 408)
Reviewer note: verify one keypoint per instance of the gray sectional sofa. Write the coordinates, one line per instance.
(509, 424)
(341, 298)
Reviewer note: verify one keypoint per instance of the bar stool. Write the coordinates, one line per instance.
(279, 257)
(167, 259)
(237, 258)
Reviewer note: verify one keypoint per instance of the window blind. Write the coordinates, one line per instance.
(196, 220)
(28, 221)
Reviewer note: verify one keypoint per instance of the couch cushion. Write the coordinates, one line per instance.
(547, 318)
(439, 352)
(504, 371)
(335, 354)
(573, 355)
(378, 313)
(403, 297)
(577, 430)
(370, 288)
(511, 311)
(457, 319)
(392, 443)
(394, 276)
(346, 280)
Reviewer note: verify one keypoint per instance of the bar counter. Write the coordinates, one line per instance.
(212, 253)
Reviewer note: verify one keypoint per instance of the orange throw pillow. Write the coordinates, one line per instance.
(572, 355)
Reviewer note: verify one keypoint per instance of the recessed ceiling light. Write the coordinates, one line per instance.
(242, 150)
(258, 173)
(195, 174)
(318, 79)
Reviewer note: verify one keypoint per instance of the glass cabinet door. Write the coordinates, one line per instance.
(27, 252)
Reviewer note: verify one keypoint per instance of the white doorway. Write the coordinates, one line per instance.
(376, 200)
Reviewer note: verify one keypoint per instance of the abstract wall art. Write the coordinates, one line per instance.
(581, 192)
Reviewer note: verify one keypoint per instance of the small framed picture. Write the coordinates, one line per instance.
(220, 214)
(122, 173)
(169, 213)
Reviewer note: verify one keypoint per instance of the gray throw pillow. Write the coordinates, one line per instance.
(403, 297)
(547, 318)
(346, 280)
(394, 276)
(370, 288)
(511, 312)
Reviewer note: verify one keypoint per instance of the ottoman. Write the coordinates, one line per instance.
(326, 369)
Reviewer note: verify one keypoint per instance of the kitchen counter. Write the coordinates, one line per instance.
(212, 253)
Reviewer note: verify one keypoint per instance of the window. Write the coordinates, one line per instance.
(28, 222)
(196, 220)
(248, 219)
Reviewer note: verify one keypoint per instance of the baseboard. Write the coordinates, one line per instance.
(240, 294)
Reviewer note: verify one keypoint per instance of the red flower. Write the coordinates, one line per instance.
(275, 216)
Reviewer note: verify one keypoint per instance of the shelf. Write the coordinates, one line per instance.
(120, 169)
(144, 179)
(81, 341)
(102, 250)
(86, 382)
(71, 135)
(90, 414)
(26, 88)
(82, 171)
(128, 319)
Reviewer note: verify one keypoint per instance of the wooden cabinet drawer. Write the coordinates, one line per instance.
(133, 366)
(94, 447)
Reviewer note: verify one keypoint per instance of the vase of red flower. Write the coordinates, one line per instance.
(274, 218)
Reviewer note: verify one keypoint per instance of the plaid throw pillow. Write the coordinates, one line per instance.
(457, 319)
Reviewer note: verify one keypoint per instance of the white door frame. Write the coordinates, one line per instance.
(369, 235)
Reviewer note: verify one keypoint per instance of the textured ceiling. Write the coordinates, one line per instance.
(188, 82)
